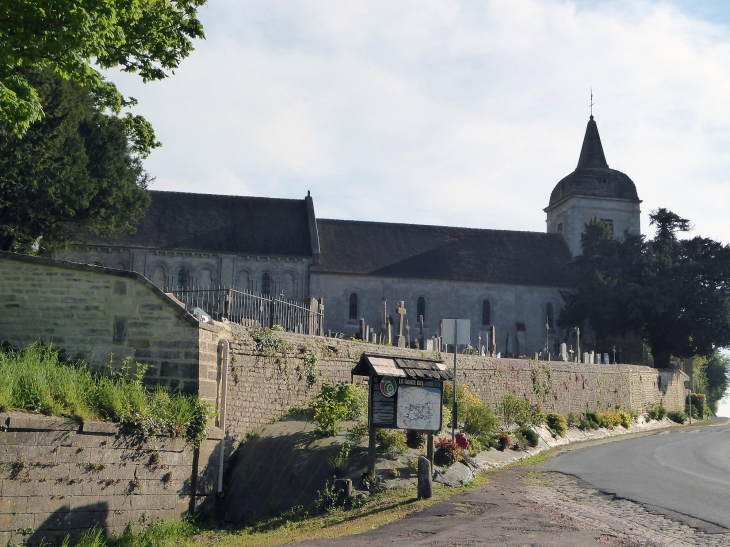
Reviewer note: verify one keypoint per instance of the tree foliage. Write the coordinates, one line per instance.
(674, 293)
(712, 377)
(74, 168)
(147, 37)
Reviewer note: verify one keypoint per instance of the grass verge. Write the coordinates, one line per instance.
(35, 380)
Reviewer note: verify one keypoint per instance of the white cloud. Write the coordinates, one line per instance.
(459, 113)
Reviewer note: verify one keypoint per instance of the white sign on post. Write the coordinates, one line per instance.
(452, 328)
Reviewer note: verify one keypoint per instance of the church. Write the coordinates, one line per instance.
(506, 282)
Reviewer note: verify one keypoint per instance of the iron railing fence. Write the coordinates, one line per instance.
(225, 303)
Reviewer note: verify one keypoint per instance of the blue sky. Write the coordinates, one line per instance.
(463, 113)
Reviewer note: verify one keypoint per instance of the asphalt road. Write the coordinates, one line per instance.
(686, 470)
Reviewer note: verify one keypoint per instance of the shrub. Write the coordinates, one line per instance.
(610, 419)
(634, 415)
(358, 433)
(557, 424)
(573, 419)
(700, 409)
(415, 439)
(677, 416)
(487, 442)
(339, 462)
(446, 453)
(657, 411)
(503, 441)
(513, 410)
(475, 446)
(479, 420)
(530, 436)
(591, 421)
(334, 404)
(537, 416)
(625, 420)
(392, 442)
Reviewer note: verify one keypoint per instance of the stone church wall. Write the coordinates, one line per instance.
(100, 314)
(58, 477)
(510, 305)
(288, 275)
(262, 385)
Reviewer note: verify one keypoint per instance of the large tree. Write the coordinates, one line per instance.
(148, 37)
(674, 293)
(75, 168)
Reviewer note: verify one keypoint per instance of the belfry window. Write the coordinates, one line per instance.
(421, 308)
(353, 306)
(183, 278)
(266, 283)
(549, 313)
(486, 313)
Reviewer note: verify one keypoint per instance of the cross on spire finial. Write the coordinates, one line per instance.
(591, 105)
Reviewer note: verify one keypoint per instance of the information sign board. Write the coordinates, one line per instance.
(413, 404)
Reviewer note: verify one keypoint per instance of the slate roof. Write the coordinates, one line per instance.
(443, 253)
(214, 223)
(592, 176)
(402, 367)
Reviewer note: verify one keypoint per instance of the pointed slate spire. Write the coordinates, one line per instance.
(591, 155)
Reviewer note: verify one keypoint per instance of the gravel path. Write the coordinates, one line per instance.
(523, 507)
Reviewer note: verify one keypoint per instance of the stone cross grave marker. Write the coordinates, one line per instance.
(400, 341)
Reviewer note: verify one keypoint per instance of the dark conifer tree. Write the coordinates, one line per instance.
(74, 169)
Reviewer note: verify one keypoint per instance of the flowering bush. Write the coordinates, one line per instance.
(503, 441)
(447, 452)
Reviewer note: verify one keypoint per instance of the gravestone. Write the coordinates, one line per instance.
(586, 358)
(563, 351)
(593, 358)
(363, 330)
(400, 340)
(421, 337)
(606, 361)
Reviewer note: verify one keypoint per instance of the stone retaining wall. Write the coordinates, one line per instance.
(263, 384)
(57, 477)
(99, 314)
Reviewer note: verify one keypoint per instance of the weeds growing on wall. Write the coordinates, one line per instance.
(274, 350)
(308, 370)
(34, 379)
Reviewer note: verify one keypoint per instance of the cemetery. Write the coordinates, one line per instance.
(256, 377)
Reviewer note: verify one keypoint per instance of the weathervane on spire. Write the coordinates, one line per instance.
(591, 103)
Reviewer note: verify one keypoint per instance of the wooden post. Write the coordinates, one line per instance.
(429, 448)
(371, 451)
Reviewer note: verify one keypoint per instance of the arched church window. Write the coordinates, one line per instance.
(486, 313)
(549, 313)
(421, 308)
(183, 278)
(266, 283)
(353, 306)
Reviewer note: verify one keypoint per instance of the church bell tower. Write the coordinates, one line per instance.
(592, 191)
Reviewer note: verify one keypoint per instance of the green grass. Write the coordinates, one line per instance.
(35, 380)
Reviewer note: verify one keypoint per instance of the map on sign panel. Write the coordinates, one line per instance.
(419, 408)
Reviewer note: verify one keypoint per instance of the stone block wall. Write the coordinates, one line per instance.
(98, 314)
(263, 384)
(58, 477)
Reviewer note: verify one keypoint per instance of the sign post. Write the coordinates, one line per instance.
(456, 332)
